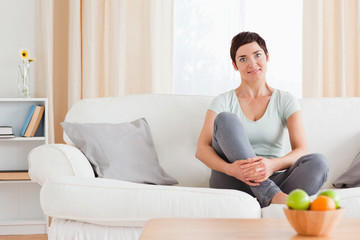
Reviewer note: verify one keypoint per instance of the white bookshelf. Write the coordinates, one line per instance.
(20, 211)
(22, 139)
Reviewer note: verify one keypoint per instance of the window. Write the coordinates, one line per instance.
(202, 36)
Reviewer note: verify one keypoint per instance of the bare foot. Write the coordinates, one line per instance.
(279, 198)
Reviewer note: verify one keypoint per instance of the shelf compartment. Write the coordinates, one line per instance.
(23, 226)
(20, 201)
(14, 113)
(20, 208)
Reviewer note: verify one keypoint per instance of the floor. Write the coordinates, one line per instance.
(25, 237)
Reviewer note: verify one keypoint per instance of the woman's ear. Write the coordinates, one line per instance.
(235, 67)
(267, 56)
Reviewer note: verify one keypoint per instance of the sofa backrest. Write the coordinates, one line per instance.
(175, 123)
(332, 127)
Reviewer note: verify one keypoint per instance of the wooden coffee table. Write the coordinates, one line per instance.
(181, 229)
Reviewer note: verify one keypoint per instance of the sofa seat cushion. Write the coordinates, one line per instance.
(63, 229)
(349, 199)
(118, 203)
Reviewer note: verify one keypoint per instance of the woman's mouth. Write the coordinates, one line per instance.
(254, 71)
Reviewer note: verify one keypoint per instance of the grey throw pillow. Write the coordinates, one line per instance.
(351, 177)
(123, 151)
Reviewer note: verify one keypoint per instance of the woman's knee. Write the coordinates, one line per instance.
(319, 166)
(228, 124)
(225, 120)
(225, 117)
(319, 161)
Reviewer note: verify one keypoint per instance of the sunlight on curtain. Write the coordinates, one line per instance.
(103, 49)
(202, 36)
(331, 59)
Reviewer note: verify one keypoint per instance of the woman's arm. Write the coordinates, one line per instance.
(297, 140)
(206, 153)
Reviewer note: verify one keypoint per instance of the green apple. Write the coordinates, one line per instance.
(332, 194)
(298, 199)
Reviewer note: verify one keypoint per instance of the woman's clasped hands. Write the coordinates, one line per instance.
(252, 171)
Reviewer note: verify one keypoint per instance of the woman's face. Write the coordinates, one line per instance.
(251, 62)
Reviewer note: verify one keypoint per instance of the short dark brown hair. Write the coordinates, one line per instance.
(245, 38)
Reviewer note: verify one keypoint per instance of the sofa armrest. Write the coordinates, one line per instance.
(118, 203)
(53, 160)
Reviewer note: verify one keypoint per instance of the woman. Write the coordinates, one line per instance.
(242, 139)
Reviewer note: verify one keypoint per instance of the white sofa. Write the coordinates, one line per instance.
(85, 207)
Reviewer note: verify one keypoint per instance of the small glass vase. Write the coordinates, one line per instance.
(24, 84)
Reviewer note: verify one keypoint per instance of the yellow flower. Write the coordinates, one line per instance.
(24, 54)
(31, 59)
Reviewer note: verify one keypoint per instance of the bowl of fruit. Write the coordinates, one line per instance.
(313, 218)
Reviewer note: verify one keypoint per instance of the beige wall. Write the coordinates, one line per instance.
(17, 30)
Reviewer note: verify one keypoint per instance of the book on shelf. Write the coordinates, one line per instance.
(27, 120)
(4, 130)
(41, 113)
(2, 136)
(32, 121)
(13, 175)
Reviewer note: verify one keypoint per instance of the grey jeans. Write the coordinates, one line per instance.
(231, 143)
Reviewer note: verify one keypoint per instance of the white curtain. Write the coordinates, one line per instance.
(203, 30)
(43, 84)
(102, 48)
(331, 48)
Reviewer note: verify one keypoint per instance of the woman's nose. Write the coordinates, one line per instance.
(253, 64)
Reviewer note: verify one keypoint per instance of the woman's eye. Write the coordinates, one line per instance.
(258, 55)
(242, 59)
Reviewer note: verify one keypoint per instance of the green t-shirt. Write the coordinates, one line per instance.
(266, 135)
